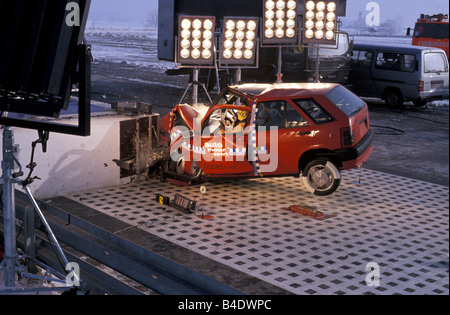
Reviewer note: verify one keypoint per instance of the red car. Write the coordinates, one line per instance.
(308, 130)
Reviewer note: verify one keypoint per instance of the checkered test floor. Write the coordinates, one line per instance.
(400, 224)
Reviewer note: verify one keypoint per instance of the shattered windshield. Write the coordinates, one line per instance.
(230, 98)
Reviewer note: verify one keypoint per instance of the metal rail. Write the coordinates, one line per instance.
(150, 272)
(97, 279)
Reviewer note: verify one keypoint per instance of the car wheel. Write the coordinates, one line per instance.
(321, 177)
(179, 167)
(196, 171)
(394, 98)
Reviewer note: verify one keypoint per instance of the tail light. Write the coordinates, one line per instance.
(421, 86)
(347, 137)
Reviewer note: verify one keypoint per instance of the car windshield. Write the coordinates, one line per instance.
(346, 101)
(431, 30)
(230, 98)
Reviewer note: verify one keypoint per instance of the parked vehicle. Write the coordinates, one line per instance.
(399, 74)
(308, 130)
(431, 31)
(299, 64)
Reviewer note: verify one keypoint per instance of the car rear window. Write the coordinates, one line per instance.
(346, 101)
(435, 62)
(314, 111)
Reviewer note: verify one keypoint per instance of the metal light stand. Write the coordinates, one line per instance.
(280, 64)
(10, 262)
(11, 259)
(194, 84)
(238, 76)
(9, 178)
(317, 75)
(195, 79)
(224, 64)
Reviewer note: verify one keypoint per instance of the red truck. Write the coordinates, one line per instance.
(432, 31)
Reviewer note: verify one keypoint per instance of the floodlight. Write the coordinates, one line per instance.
(196, 41)
(238, 47)
(320, 22)
(280, 27)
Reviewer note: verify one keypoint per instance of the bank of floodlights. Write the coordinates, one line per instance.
(320, 22)
(239, 42)
(196, 41)
(280, 23)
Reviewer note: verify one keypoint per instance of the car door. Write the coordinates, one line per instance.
(280, 150)
(223, 142)
(395, 71)
(361, 75)
(435, 75)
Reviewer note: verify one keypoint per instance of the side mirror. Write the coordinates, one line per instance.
(408, 32)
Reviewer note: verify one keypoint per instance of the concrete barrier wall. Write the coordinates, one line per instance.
(73, 164)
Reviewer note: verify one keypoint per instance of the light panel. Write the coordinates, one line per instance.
(280, 27)
(320, 22)
(239, 42)
(196, 41)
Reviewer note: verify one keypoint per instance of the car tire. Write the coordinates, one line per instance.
(178, 167)
(321, 177)
(394, 98)
(197, 174)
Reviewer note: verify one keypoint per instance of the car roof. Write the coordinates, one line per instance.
(281, 90)
(394, 48)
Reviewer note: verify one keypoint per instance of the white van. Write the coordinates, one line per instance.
(399, 74)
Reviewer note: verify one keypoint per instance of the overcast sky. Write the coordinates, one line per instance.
(137, 10)
(410, 10)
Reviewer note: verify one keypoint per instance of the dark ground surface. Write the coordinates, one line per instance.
(409, 141)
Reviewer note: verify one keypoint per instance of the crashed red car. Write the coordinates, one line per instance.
(307, 130)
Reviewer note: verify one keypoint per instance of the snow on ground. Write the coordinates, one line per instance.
(440, 104)
(134, 46)
(137, 46)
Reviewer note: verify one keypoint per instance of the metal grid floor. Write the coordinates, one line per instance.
(400, 224)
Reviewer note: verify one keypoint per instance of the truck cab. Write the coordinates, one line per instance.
(432, 31)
